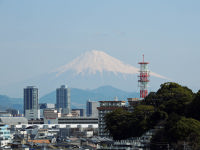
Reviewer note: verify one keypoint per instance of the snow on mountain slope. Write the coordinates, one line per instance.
(95, 61)
(88, 71)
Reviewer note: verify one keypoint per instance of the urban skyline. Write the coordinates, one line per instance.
(99, 74)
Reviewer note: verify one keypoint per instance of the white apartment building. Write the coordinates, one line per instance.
(106, 107)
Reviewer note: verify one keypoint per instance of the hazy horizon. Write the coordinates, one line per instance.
(37, 37)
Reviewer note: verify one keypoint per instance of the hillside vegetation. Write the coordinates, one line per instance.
(173, 107)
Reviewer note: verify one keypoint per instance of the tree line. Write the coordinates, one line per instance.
(174, 108)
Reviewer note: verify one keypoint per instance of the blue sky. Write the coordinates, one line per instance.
(38, 36)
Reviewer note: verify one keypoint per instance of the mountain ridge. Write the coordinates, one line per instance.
(80, 96)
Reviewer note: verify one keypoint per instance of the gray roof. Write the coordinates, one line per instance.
(13, 120)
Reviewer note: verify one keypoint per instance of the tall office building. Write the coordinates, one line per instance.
(91, 108)
(63, 99)
(31, 110)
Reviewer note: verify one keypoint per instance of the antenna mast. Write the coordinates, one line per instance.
(143, 78)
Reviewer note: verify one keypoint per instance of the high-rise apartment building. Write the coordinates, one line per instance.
(63, 99)
(106, 107)
(91, 108)
(31, 110)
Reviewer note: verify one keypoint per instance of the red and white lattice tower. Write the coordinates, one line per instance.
(143, 78)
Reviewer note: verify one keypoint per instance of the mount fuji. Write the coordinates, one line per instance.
(93, 69)
(90, 70)
(93, 62)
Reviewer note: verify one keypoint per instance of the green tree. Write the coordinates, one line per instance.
(118, 124)
(171, 97)
(171, 100)
(122, 124)
(194, 108)
(141, 116)
(143, 111)
(180, 130)
(157, 117)
(171, 90)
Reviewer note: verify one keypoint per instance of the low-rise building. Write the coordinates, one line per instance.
(36, 121)
(5, 136)
(5, 114)
(32, 114)
(133, 102)
(51, 116)
(80, 111)
(78, 120)
(13, 120)
(44, 106)
(75, 113)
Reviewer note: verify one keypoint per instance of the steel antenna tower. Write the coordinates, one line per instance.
(143, 78)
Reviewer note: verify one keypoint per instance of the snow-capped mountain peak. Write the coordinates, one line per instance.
(95, 61)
